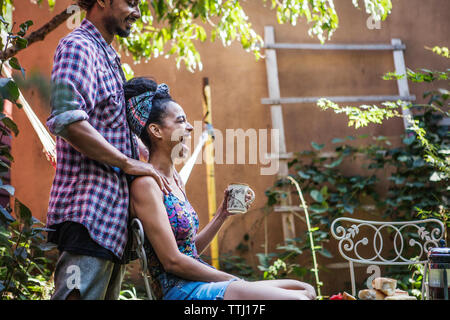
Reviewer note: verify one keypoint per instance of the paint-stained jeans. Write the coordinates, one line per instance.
(94, 278)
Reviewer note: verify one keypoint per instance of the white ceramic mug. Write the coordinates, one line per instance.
(237, 203)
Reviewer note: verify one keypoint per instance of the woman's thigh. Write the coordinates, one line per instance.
(259, 290)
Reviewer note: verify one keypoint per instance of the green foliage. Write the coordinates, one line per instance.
(414, 190)
(442, 51)
(363, 115)
(236, 264)
(171, 27)
(130, 292)
(422, 168)
(409, 279)
(419, 182)
(416, 184)
(275, 270)
(329, 194)
(437, 155)
(24, 265)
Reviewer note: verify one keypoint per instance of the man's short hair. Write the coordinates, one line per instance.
(86, 4)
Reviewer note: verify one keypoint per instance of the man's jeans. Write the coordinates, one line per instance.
(94, 278)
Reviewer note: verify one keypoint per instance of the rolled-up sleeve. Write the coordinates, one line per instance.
(73, 86)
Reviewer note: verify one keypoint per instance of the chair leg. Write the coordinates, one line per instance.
(352, 278)
(425, 283)
(147, 287)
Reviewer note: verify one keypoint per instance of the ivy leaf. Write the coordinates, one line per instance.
(8, 188)
(9, 89)
(334, 163)
(21, 252)
(316, 146)
(349, 208)
(14, 63)
(341, 188)
(51, 4)
(317, 196)
(23, 212)
(409, 140)
(10, 124)
(324, 252)
(24, 27)
(337, 140)
(5, 215)
(303, 175)
(317, 208)
(21, 43)
(47, 246)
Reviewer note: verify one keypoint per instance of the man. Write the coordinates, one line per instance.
(96, 154)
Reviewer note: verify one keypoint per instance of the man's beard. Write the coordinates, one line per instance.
(112, 25)
(123, 33)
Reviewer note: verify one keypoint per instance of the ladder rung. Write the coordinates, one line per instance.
(290, 100)
(331, 46)
(365, 207)
(287, 208)
(344, 265)
(280, 156)
(290, 155)
(444, 122)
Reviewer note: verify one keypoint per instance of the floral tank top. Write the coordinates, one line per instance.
(184, 222)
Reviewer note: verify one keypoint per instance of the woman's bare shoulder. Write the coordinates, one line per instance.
(145, 185)
(145, 193)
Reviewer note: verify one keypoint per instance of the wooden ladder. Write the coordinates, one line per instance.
(275, 101)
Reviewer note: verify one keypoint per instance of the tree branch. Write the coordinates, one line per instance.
(39, 34)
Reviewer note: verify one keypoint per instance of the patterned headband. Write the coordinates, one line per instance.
(139, 108)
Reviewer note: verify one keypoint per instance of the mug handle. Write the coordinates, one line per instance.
(252, 194)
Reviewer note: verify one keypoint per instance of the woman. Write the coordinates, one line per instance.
(170, 223)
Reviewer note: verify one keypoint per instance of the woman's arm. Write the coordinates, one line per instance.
(147, 205)
(205, 236)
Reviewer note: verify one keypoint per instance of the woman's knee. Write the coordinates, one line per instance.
(242, 290)
(292, 284)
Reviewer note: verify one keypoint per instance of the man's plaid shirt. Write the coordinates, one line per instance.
(88, 85)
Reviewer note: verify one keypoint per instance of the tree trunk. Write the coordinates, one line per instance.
(39, 34)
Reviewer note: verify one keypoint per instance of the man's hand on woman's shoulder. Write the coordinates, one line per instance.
(140, 168)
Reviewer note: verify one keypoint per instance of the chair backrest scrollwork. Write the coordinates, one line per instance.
(409, 240)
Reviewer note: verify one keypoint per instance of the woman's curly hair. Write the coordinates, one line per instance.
(86, 4)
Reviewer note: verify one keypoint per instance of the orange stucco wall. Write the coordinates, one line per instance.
(238, 82)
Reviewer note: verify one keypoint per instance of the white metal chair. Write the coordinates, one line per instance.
(139, 238)
(347, 231)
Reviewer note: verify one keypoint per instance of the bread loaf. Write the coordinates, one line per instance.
(371, 294)
(400, 297)
(385, 285)
(399, 292)
(346, 296)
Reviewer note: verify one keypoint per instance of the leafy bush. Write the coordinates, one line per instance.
(25, 270)
(417, 187)
(24, 266)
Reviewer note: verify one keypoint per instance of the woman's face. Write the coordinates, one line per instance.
(175, 131)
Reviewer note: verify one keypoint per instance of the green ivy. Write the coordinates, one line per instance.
(413, 190)
(24, 264)
(171, 28)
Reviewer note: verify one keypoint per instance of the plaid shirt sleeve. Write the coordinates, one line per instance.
(74, 85)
